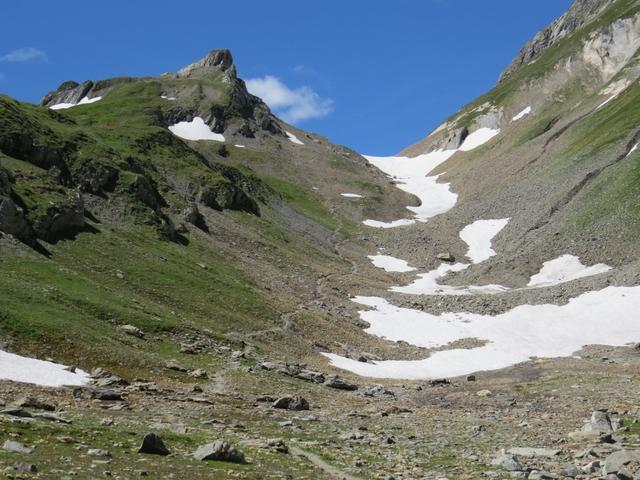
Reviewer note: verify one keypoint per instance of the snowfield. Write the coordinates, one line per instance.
(478, 138)
(522, 114)
(30, 370)
(351, 195)
(391, 264)
(427, 284)
(196, 129)
(564, 269)
(526, 332)
(411, 175)
(83, 101)
(293, 139)
(478, 236)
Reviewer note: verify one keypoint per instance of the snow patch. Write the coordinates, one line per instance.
(427, 284)
(479, 235)
(604, 317)
(410, 176)
(477, 138)
(293, 139)
(30, 370)
(564, 269)
(351, 195)
(240, 146)
(391, 264)
(165, 97)
(196, 129)
(635, 147)
(613, 90)
(522, 114)
(83, 101)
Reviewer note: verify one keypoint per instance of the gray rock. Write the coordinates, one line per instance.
(32, 402)
(570, 471)
(614, 462)
(600, 422)
(446, 257)
(14, 222)
(220, 451)
(16, 447)
(508, 462)
(340, 384)
(296, 403)
(98, 452)
(25, 467)
(67, 92)
(541, 475)
(153, 444)
(534, 452)
(132, 330)
(198, 373)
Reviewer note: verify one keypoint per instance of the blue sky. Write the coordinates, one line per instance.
(376, 75)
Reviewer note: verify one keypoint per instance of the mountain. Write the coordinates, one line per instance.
(224, 286)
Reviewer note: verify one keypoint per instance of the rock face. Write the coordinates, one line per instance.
(581, 12)
(220, 59)
(61, 220)
(223, 196)
(220, 451)
(296, 403)
(68, 92)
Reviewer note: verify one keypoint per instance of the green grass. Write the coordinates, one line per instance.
(73, 302)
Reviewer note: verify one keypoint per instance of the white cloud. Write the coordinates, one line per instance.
(292, 105)
(24, 54)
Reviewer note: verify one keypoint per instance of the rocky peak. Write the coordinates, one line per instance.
(216, 59)
(580, 13)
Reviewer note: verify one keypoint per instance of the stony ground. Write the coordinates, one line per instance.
(450, 429)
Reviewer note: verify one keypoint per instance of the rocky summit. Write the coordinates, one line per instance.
(192, 287)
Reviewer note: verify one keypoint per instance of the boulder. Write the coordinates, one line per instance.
(220, 451)
(295, 403)
(15, 447)
(340, 384)
(508, 462)
(144, 190)
(617, 460)
(13, 221)
(193, 216)
(132, 330)
(61, 221)
(153, 445)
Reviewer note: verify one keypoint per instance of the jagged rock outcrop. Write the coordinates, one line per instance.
(60, 221)
(581, 12)
(220, 59)
(223, 196)
(68, 92)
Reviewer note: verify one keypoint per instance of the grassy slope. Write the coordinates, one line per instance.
(68, 305)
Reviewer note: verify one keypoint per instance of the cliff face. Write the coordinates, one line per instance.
(581, 12)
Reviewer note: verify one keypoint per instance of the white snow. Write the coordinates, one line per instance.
(293, 139)
(564, 269)
(522, 114)
(30, 370)
(240, 146)
(195, 130)
(351, 195)
(612, 97)
(391, 264)
(410, 176)
(165, 97)
(478, 236)
(83, 101)
(635, 147)
(396, 223)
(604, 317)
(477, 138)
(427, 284)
